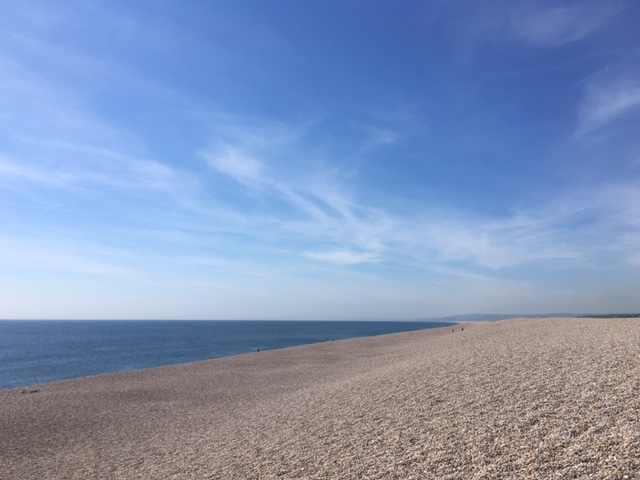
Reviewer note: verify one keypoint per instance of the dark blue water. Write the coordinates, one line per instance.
(33, 352)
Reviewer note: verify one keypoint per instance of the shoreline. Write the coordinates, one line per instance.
(215, 348)
(27, 388)
(509, 398)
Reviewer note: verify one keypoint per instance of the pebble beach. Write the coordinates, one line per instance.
(522, 398)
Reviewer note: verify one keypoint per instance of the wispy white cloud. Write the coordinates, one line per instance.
(375, 137)
(87, 167)
(608, 95)
(557, 25)
(247, 169)
(237, 164)
(340, 225)
(458, 243)
(305, 198)
(343, 257)
(584, 227)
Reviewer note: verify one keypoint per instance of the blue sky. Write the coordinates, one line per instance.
(318, 160)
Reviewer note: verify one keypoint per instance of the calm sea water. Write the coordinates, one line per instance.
(33, 352)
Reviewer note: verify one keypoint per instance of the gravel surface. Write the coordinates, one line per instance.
(543, 398)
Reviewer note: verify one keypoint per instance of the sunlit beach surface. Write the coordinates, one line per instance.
(518, 398)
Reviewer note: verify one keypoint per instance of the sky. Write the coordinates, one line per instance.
(331, 160)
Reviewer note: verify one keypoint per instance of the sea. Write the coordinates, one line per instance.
(34, 352)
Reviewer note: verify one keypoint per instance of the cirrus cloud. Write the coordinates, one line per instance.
(608, 95)
(550, 27)
(343, 257)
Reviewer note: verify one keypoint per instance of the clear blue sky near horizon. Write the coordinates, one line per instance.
(318, 160)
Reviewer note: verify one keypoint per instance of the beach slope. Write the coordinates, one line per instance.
(519, 398)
